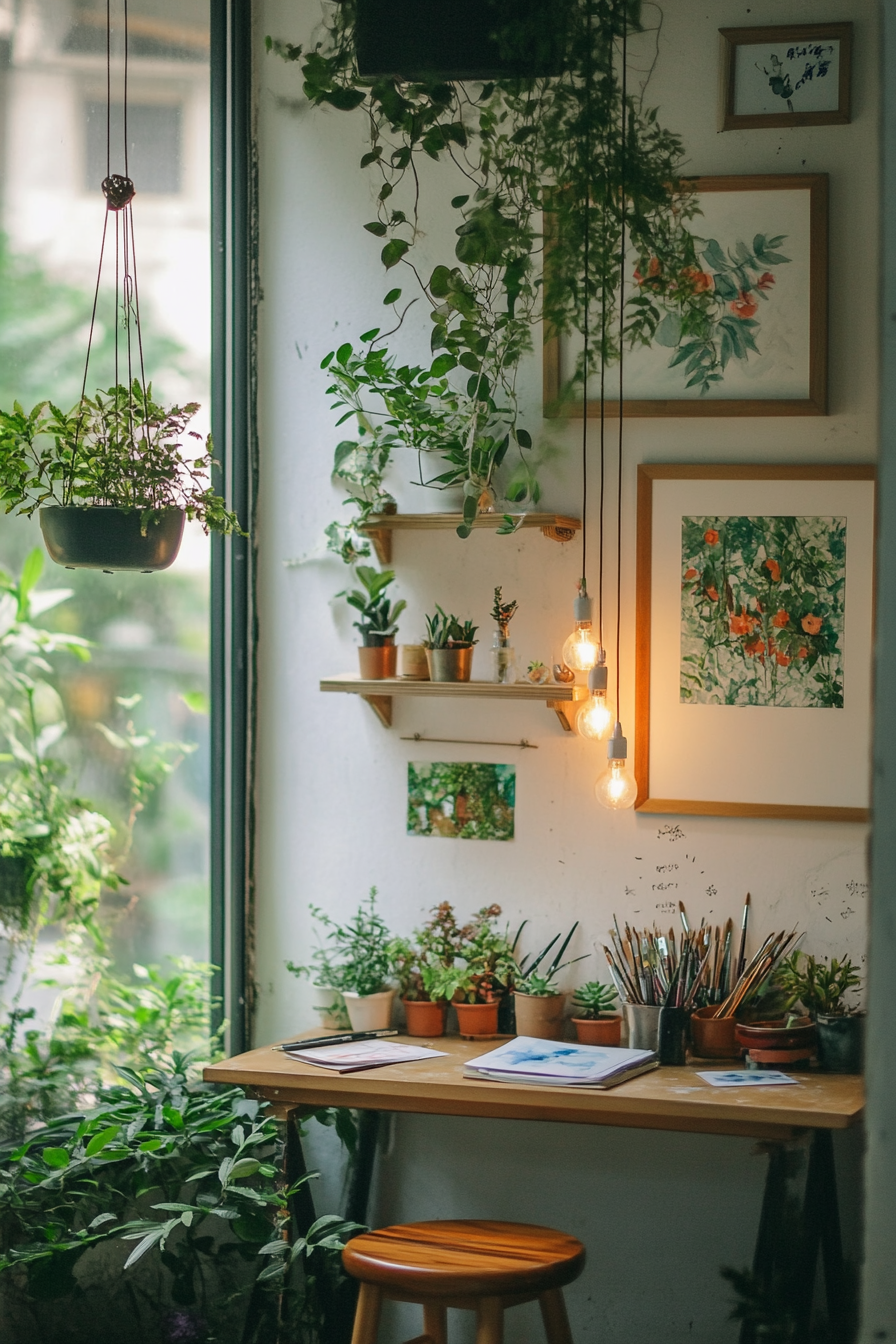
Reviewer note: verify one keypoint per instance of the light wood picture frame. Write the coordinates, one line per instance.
(786, 75)
(754, 630)
(786, 311)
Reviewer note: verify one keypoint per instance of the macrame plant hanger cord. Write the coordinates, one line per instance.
(119, 191)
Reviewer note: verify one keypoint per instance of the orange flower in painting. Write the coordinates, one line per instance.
(690, 573)
(765, 281)
(780, 619)
(744, 305)
(811, 624)
(756, 646)
(712, 593)
(742, 624)
(782, 659)
(711, 537)
(802, 653)
(774, 569)
(653, 270)
(699, 281)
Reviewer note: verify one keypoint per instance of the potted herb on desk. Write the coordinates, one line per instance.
(594, 1019)
(378, 623)
(820, 986)
(428, 978)
(537, 999)
(449, 647)
(362, 963)
(490, 965)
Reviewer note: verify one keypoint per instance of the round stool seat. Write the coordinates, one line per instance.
(465, 1258)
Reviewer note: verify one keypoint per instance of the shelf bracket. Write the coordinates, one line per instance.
(382, 543)
(382, 708)
(565, 711)
(558, 533)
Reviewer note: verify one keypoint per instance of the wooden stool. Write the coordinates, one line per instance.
(477, 1266)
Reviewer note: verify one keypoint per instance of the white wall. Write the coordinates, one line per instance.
(332, 781)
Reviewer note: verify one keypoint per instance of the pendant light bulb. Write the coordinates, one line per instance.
(595, 718)
(617, 787)
(580, 652)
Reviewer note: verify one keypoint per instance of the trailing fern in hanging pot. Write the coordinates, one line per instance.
(113, 479)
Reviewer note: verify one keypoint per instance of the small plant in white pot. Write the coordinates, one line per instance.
(449, 647)
(538, 1002)
(362, 963)
(379, 621)
(326, 996)
(593, 1017)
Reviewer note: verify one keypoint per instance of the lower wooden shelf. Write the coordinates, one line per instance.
(378, 694)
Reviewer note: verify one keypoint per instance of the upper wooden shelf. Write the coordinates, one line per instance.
(378, 694)
(380, 526)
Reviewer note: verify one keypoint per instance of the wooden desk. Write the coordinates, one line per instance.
(665, 1099)
(668, 1098)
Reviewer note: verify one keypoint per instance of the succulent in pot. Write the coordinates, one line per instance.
(821, 986)
(449, 647)
(593, 1017)
(113, 478)
(537, 999)
(378, 623)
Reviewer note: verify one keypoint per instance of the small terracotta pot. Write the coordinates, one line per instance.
(713, 1037)
(539, 1015)
(450, 664)
(776, 1035)
(477, 1019)
(424, 1017)
(598, 1030)
(378, 663)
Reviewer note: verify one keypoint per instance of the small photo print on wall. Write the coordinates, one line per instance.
(461, 800)
(762, 611)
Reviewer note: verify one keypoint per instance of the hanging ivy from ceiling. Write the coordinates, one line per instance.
(537, 159)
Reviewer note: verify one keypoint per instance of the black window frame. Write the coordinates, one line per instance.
(233, 618)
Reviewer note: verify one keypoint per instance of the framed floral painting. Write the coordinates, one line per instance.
(754, 640)
(751, 337)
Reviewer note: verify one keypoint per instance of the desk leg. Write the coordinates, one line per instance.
(789, 1237)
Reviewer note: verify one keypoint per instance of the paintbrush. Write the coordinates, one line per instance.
(683, 915)
(742, 952)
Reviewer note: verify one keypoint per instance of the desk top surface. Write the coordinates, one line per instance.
(667, 1098)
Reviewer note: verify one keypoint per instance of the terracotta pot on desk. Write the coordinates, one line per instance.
(539, 1015)
(606, 1030)
(713, 1037)
(424, 1017)
(477, 1019)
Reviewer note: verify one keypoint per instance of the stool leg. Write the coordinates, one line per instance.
(367, 1314)
(435, 1323)
(490, 1321)
(553, 1313)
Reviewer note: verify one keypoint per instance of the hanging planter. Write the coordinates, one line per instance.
(99, 537)
(468, 39)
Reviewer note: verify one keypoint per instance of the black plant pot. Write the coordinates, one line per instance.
(97, 537)
(841, 1042)
(467, 39)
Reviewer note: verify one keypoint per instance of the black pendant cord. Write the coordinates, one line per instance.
(622, 242)
(587, 299)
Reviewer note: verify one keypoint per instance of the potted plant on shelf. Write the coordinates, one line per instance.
(428, 978)
(112, 478)
(820, 986)
(362, 963)
(378, 623)
(449, 647)
(594, 1020)
(537, 999)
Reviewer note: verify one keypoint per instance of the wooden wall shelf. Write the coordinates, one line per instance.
(380, 526)
(378, 694)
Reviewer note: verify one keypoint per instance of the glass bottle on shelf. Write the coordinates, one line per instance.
(504, 670)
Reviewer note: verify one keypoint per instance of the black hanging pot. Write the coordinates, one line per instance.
(467, 39)
(99, 537)
(15, 892)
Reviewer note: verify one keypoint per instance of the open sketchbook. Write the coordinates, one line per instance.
(560, 1064)
(363, 1055)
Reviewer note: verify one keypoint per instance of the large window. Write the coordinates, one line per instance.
(149, 633)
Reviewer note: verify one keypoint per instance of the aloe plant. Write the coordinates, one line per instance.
(447, 632)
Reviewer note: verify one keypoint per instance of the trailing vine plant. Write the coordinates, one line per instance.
(540, 162)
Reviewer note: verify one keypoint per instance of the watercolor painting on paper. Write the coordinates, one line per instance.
(762, 611)
(461, 800)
